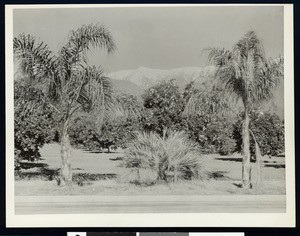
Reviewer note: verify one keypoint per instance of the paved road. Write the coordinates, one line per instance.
(149, 204)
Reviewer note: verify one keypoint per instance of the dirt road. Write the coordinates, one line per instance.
(149, 204)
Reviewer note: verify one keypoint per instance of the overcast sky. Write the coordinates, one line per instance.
(164, 37)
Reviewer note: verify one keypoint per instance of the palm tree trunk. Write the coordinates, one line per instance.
(66, 170)
(258, 162)
(246, 151)
(175, 176)
(138, 174)
(161, 174)
(258, 165)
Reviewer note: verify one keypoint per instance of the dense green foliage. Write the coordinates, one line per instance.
(268, 129)
(113, 129)
(83, 133)
(208, 119)
(213, 135)
(164, 105)
(34, 124)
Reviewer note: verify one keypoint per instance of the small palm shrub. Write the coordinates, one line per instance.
(171, 156)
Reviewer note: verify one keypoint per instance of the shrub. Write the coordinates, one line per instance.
(171, 156)
(83, 134)
(268, 129)
(220, 135)
(34, 124)
(213, 134)
(110, 128)
(208, 118)
(119, 132)
(163, 104)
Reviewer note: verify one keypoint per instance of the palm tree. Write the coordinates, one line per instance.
(247, 76)
(67, 83)
(209, 100)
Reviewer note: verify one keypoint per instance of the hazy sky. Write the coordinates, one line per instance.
(164, 37)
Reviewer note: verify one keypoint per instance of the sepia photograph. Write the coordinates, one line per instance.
(150, 115)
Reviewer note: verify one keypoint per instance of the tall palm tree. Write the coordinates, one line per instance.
(67, 83)
(247, 76)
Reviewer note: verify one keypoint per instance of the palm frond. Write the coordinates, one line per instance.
(173, 153)
(218, 56)
(80, 41)
(29, 100)
(244, 73)
(268, 79)
(35, 58)
(125, 106)
(96, 90)
(209, 101)
(249, 43)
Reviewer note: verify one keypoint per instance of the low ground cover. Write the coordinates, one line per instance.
(103, 174)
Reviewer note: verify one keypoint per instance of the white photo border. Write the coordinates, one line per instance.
(286, 219)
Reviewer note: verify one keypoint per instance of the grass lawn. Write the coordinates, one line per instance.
(102, 174)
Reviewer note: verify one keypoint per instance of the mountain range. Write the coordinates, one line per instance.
(138, 80)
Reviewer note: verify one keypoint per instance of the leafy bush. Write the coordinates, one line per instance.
(189, 91)
(120, 122)
(268, 129)
(208, 119)
(214, 134)
(171, 156)
(84, 134)
(220, 135)
(34, 124)
(163, 104)
(119, 132)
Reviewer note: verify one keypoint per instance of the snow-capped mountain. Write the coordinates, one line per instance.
(146, 77)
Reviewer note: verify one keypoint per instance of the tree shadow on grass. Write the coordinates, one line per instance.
(88, 177)
(276, 166)
(30, 165)
(47, 174)
(40, 174)
(96, 152)
(229, 159)
(117, 159)
(143, 183)
(217, 175)
(239, 185)
(239, 159)
(99, 151)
